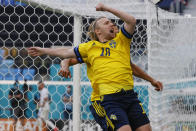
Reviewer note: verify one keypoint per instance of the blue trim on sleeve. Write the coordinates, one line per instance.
(126, 33)
(79, 58)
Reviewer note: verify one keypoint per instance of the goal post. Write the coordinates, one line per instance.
(76, 76)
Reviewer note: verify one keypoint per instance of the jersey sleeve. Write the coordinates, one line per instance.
(125, 33)
(124, 37)
(85, 60)
(81, 52)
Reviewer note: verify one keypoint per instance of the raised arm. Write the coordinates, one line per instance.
(138, 72)
(59, 52)
(129, 20)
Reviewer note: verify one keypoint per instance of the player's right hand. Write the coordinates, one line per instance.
(35, 51)
(65, 72)
(100, 7)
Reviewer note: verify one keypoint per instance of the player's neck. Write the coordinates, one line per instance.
(103, 40)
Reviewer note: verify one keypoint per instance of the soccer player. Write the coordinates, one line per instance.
(108, 57)
(95, 107)
(44, 106)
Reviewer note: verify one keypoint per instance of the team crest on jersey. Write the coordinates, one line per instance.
(112, 44)
(113, 117)
(93, 44)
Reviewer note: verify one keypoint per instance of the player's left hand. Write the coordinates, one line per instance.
(158, 85)
(65, 72)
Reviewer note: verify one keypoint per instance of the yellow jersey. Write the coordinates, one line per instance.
(109, 63)
(95, 92)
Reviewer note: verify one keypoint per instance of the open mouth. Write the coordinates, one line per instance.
(111, 31)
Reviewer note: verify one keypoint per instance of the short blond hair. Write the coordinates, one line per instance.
(91, 29)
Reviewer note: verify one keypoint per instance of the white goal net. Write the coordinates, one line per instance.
(163, 45)
(172, 59)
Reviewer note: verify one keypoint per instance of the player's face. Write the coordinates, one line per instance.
(116, 30)
(105, 28)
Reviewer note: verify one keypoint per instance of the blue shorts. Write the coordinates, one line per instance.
(124, 108)
(100, 117)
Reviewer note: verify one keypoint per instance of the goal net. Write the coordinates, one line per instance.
(46, 23)
(172, 60)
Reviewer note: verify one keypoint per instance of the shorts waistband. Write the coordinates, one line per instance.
(120, 93)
